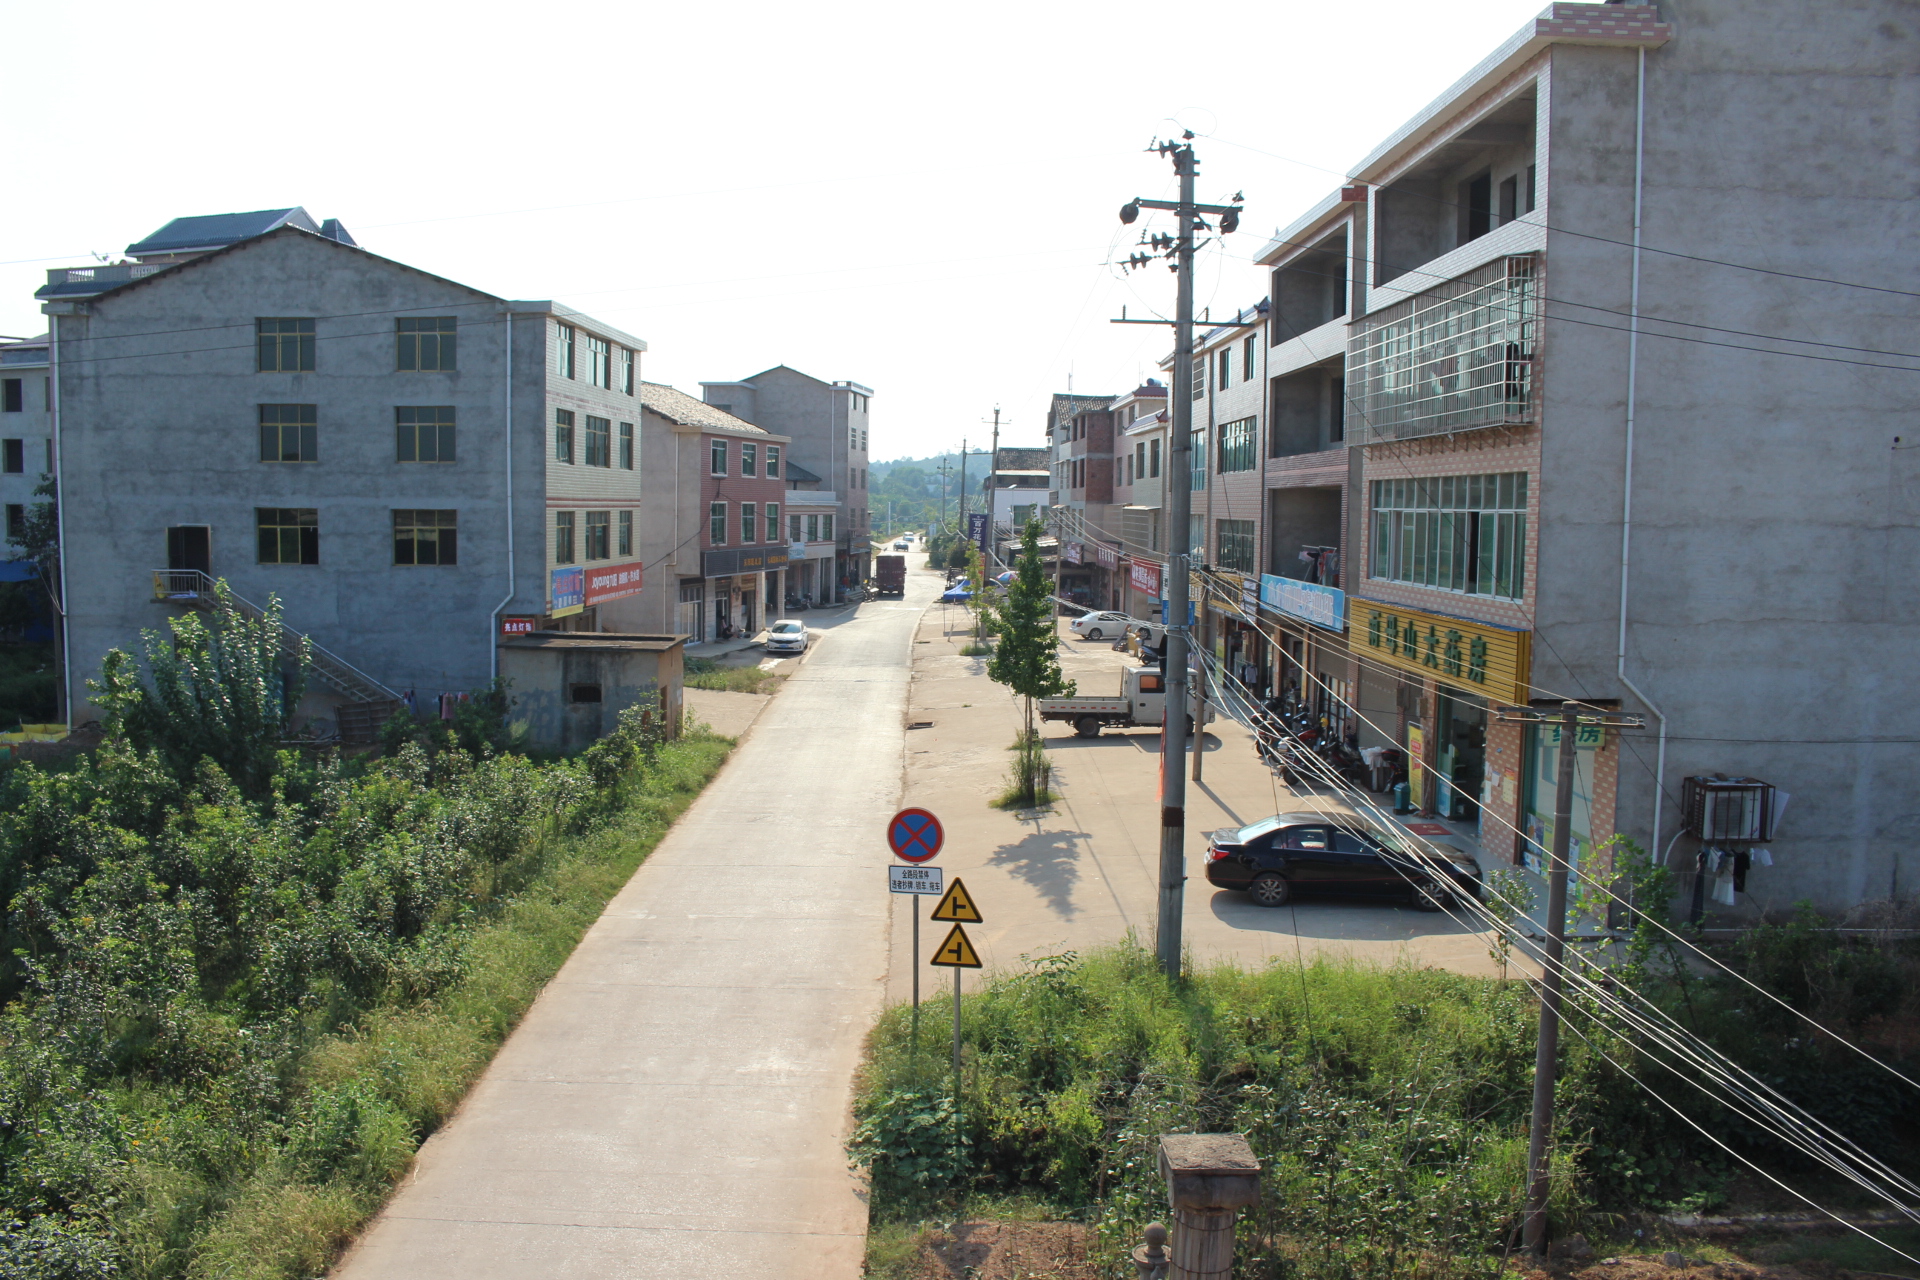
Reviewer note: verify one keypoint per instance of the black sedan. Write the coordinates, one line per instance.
(1291, 853)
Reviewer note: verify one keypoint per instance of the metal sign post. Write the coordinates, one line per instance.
(917, 881)
(957, 953)
(915, 836)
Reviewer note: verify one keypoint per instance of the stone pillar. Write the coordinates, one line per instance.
(1209, 1175)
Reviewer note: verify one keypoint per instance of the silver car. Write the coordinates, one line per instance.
(787, 636)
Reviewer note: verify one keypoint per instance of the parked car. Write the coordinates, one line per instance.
(787, 636)
(1098, 626)
(1303, 853)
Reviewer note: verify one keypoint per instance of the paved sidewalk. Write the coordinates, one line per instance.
(675, 1103)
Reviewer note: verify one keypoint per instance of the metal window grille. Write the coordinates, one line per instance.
(1236, 445)
(1734, 810)
(1455, 358)
(1454, 533)
(1234, 540)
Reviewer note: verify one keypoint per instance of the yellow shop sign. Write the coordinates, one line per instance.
(1487, 660)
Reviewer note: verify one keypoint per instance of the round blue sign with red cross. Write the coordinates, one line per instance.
(915, 835)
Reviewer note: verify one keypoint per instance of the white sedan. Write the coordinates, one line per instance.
(1098, 626)
(787, 636)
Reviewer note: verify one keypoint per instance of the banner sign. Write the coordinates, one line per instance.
(613, 582)
(1474, 656)
(725, 564)
(1308, 601)
(977, 529)
(518, 625)
(1107, 556)
(1250, 596)
(1145, 576)
(1071, 553)
(566, 591)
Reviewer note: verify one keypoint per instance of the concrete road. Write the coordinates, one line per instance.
(675, 1103)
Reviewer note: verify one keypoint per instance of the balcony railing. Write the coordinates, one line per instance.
(1458, 357)
(195, 588)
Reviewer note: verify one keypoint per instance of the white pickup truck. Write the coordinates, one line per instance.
(1142, 702)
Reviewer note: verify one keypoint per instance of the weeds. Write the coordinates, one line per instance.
(705, 673)
(1030, 778)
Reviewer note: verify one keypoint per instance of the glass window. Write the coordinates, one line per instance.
(1237, 445)
(288, 535)
(813, 528)
(749, 458)
(599, 527)
(1197, 460)
(563, 346)
(599, 442)
(599, 362)
(717, 524)
(426, 342)
(718, 458)
(626, 370)
(563, 537)
(826, 528)
(773, 462)
(284, 346)
(1454, 533)
(423, 433)
(626, 446)
(426, 537)
(749, 530)
(289, 433)
(1234, 540)
(624, 534)
(1246, 360)
(563, 435)
(773, 522)
(1153, 459)
(793, 529)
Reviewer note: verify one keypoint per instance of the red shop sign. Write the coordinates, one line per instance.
(613, 582)
(1145, 576)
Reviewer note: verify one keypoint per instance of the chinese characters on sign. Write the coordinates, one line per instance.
(1145, 576)
(1071, 554)
(1322, 606)
(566, 591)
(1470, 655)
(613, 582)
(517, 625)
(1108, 557)
(977, 529)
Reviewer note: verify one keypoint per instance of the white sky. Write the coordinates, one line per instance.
(917, 197)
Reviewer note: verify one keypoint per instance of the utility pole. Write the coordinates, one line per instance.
(963, 485)
(1546, 1054)
(993, 471)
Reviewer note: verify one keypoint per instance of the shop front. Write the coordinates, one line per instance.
(737, 587)
(1451, 674)
(1076, 575)
(1142, 595)
(1310, 668)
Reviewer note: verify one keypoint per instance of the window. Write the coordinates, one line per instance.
(583, 693)
(285, 346)
(1140, 460)
(749, 530)
(826, 528)
(1337, 409)
(1234, 545)
(15, 456)
(599, 527)
(1153, 459)
(718, 458)
(563, 537)
(853, 438)
(1454, 533)
(16, 522)
(563, 342)
(1476, 211)
(563, 435)
(813, 528)
(1224, 377)
(13, 396)
(423, 433)
(626, 446)
(599, 442)
(773, 522)
(624, 535)
(850, 479)
(1237, 445)
(1197, 460)
(717, 524)
(426, 537)
(1199, 364)
(863, 440)
(1509, 199)
(626, 370)
(288, 535)
(1246, 359)
(749, 458)
(599, 362)
(425, 342)
(289, 433)
(773, 462)
(793, 529)
(1530, 183)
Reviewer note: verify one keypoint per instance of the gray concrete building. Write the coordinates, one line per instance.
(1611, 322)
(412, 466)
(26, 428)
(828, 424)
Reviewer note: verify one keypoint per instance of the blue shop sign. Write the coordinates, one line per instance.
(1309, 601)
(567, 589)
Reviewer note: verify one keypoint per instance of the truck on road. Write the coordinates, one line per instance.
(890, 575)
(1142, 703)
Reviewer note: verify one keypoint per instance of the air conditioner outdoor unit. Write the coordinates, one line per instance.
(1730, 810)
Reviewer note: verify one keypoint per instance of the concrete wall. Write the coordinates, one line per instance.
(542, 678)
(1775, 503)
(1299, 518)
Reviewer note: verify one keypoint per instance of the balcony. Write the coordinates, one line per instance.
(84, 282)
(1458, 357)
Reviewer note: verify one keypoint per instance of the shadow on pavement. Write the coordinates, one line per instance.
(1139, 740)
(1047, 860)
(1335, 919)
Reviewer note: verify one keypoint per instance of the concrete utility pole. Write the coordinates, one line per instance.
(963, 484)
(993, 469)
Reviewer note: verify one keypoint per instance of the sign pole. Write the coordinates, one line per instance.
(958, 1138)
(914, 904)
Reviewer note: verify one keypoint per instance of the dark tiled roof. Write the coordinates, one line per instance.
(1012, 458)
(218, 230)
(799, 474)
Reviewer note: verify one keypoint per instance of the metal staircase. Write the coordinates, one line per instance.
(194, 589)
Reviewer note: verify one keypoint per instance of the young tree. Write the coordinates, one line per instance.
(1026, 660)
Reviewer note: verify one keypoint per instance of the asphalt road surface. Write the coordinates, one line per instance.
(675, 1103)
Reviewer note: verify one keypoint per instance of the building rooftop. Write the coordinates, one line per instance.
(206, 232)
(678, 406)
(593, 640)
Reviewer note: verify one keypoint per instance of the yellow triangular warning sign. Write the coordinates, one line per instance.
(957, 951)
(956, 905)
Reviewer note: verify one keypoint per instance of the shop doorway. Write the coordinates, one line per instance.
(1460, 753)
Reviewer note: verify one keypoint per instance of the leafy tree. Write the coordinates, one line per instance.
(1027, 658)
(223, 689)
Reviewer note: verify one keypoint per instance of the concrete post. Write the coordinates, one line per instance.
(1209, 1175)
(1151, 1259)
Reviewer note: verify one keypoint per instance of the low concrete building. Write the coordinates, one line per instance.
(570, 687)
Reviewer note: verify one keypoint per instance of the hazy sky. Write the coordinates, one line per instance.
(918, 197)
